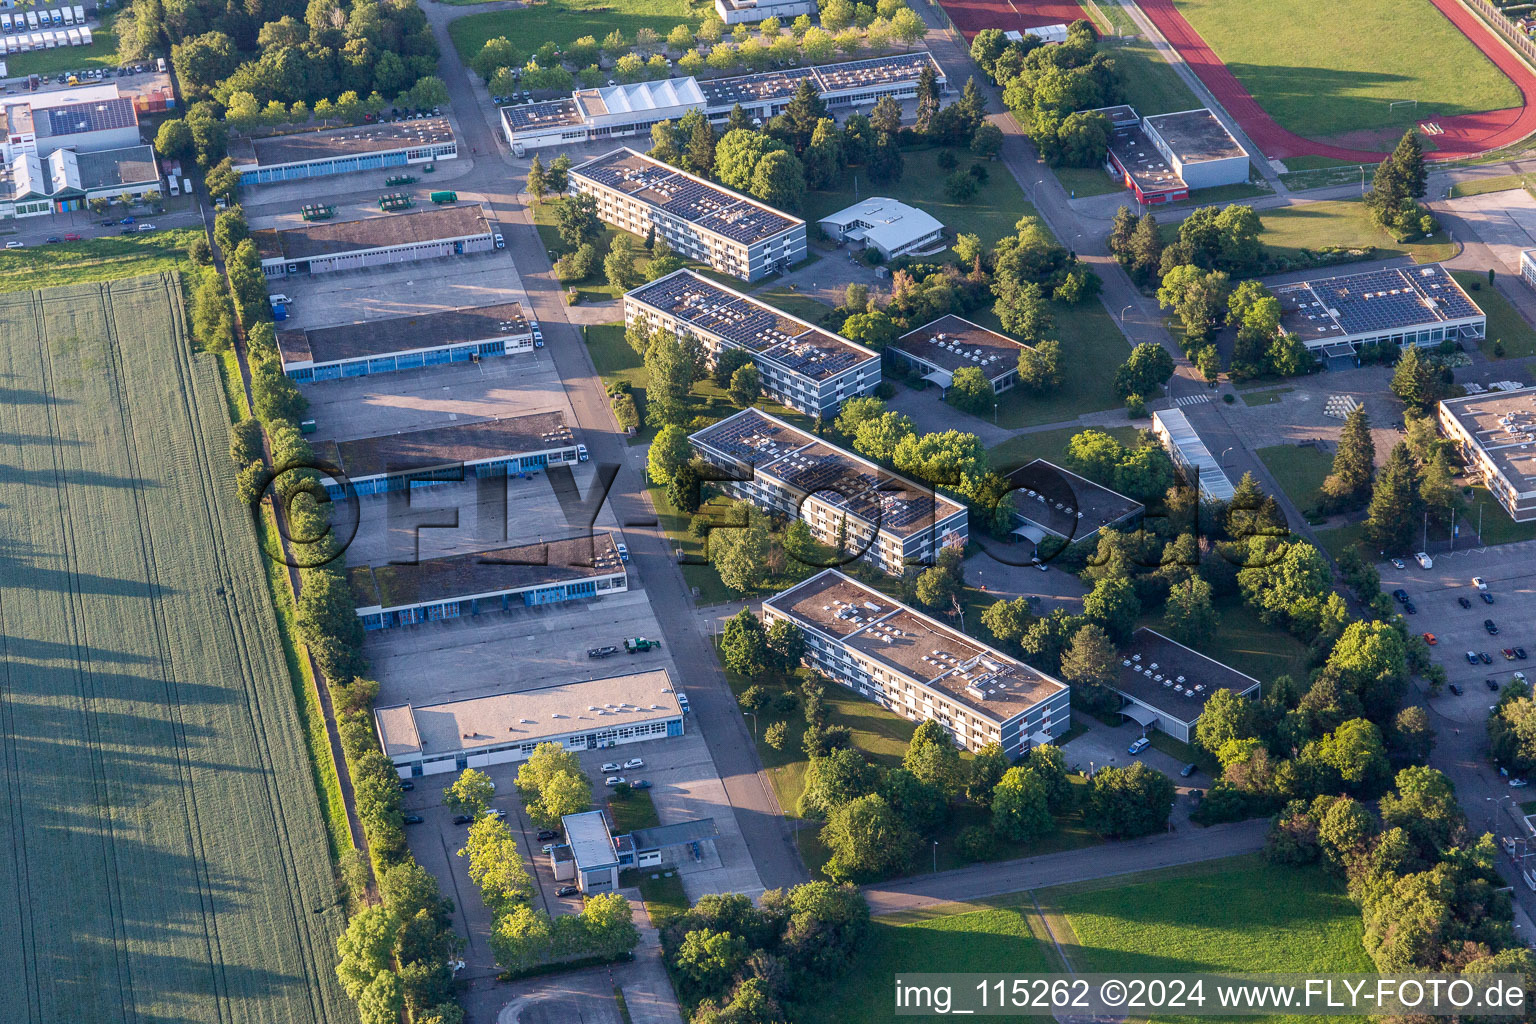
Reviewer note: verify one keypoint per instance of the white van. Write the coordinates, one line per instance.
(1425, 562)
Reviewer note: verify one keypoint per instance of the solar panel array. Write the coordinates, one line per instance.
(90, 117)
(900, 67)
(1381, 301)
(769, 85)
(688, 199)
(753, 438)
(542, 115)
(816, 355)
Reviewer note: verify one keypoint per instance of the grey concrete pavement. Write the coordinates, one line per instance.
(1184, 846)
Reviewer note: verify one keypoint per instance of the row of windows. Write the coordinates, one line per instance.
(594, 740)
(403, 361)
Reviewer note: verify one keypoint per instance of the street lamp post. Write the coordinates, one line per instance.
(1224, 457)
(935, 856)
(754, 724)
(1125, 310)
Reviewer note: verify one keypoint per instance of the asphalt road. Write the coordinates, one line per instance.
(1185, 846)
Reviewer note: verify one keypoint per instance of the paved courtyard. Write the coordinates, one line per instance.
(1504, 221)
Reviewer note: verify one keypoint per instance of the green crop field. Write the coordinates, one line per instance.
(165, 855)
(95, 259)
(1317, 80)
(565, 21)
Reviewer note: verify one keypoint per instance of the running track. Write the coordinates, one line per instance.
(1465, 134)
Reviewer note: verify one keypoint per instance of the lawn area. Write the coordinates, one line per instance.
(792, 302)
(972, 937)
(102, 53)
(1333, 172)
(991, 215)
(564, 21)
(168, 769)
(1223, 915)
(661, 891)
(1250, 646)
(1483, 186)
(1151, 84)
(98, 259)
(1021, 449)
(632, 811)
(1504, 321)
(1498, 528)
(1344, 223)
(595, 288)
(1091, 348)
(1317, 80)
(1299, 469)
(1087, 181)
(1269, 397)
(1336, 540)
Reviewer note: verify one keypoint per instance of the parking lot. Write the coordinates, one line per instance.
(1434, 592)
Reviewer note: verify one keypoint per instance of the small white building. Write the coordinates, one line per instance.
(737, 12)
(895, 229)
(1045, 33)
(593, 853)
(1190, 454)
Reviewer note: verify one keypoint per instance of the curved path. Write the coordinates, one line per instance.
(1465, 135)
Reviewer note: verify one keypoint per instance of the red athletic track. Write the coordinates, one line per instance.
(971, 16)
(1465, 134)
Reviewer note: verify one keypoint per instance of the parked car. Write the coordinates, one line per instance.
(1479, 583)
(581, 453)
(54, 238)
(548, 847)
(1431, 639)
(1464, 602)
(1520, 653)
(612, 766)
(1411, 608)
(1518, 783)
(1141, 743)
(567, 890)
(614, 780)
(1487, 597)
(407, 785)
(413, 819)
(14, 245)
(463, 819)
(1509, 654)
(1401, 595)
(1492, 684)
(1492, 629)
(71, 237)
(126, 220)
(1455, 688)
(640, 784)
(633, 763)
(1187, 770)
(1398, 563)
(146, 227)
(548, 833)
(1471, 657)
(501, 243)
(1486, 659)
(623, 550)
(602, 652)
(497, 813)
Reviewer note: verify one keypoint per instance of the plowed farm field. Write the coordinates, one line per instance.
(162, 854)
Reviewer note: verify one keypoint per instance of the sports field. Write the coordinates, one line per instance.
(164, 855)
(1325, 67)
(565, 21)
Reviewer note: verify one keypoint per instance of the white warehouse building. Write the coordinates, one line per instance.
(893, 229)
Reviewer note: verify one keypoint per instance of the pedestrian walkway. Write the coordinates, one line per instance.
(1189, 400)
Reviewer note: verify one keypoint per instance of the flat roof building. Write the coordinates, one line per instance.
(432, 739)
(404, 342)
(802, 366)
(551, 572)
(736, 12)
(1162, 157)
(593, 851)
(939, 348)
(1166, 685)
(596, 114)
(1049, 501)
(1528, 266)
(1496, 433)
(66, 180)
(368, 147)
(1051, 34)
(891, 228)
(328, 246)
(1190, 454)
(510, 444)
(84, 121)
(885, 519)
(1420, 305)
(920, 668)
(701, 220)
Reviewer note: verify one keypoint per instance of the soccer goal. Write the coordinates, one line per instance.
(1411, 105)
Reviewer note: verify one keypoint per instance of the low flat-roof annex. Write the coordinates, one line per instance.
(1065, 504)
(1373, 302)
(302, 147)
(1195, 136)
(436, 329)
(448, 445)
(483, 573)
(1175, 680)
(952, 342)
(328, 238)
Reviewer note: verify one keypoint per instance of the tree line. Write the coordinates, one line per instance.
(1053, 91)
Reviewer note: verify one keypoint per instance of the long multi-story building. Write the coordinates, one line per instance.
(733, 233)
(343, 150)
(611, 112)
(917, 666)
(873, 514)
(802, 366)
(1496, 433)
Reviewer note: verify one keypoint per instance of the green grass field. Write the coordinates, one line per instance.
(1151, 84)
(1223, 915)
(102, 53)
(1505, 323)
(1051, 444)
(632, 812)
(565, 21)
(1483, 186)
(991, 215)
(98, 259)
(1317, 80)
(1341, 223)
(166, 856)
(1250, 646)
(1299, 469)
